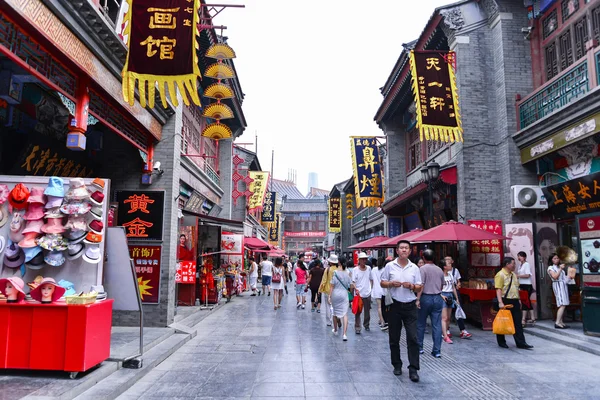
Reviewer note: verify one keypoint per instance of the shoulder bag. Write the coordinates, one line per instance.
(276, 275)
(350, 294)
(495, 304)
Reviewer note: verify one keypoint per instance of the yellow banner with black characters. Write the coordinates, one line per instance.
(436, 95)
(335, 214)
(258, 188)
(366, 164)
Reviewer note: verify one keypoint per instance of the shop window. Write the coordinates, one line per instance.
(549, 24)
(566, 49)
(581, 36)
(415, 150)
(568, 8)
(596, 23)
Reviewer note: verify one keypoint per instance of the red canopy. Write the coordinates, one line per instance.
(369, 243)
(253, 243)
(453, 231)
(392, 242)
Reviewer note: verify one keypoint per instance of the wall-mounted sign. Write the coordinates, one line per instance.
(268, 212)
(185, 272)
(486, 253)
(146, 260)
(368, 180)
(394, 226)
(257, 189)
(141, 212)
(274, 230)
(574, 197)
(305, 234)
(335, 214)
(194, 203)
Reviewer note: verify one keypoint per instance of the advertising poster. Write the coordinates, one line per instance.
(486, 253)
(186, 272)
(521, 236)
(147, 267)
(589, 242)
(141, 213)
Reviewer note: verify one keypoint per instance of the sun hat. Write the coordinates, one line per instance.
(37, 262)
(76, 223)
(37, 195)
(78, 207)
(69, 286)
(2, 244)
(333, 259)
(96, 226)
(35, 211)
(17, 283)
(13, 256)
(92, 238)
(54, 213)
(55, 258)
(98, 183)
(56, 187)
(96, 213)
(34, 226)
(52, 241)
(3, 215)
(53, 225)
(53, 202)
(74, 251)
(92, 254)
(29, 241)
(36, 293)
(4, 192)
(16, 227)
(77, 190)
(97, 198)
(75, 236)
(362, 254)
(18, 196)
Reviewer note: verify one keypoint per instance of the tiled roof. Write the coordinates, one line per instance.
(317, 193)
(286, 188)
(304, 205)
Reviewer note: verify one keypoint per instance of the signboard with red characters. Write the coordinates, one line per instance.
(147, 267)
(486, 253)
(186, 272)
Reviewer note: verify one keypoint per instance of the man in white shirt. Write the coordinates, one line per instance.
(361, 277)
(266, 272)
(403, 279)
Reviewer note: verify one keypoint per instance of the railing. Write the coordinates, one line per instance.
(212, 174)
(572, 84)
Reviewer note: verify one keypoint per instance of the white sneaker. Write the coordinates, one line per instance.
(298, 305)
(345, 338)
(334, 331)
(303, 306)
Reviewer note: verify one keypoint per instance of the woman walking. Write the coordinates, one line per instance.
(278, 282)
(524, 275)
(301, 274)
(341, 284)
(314, 281)
(254, 276)
(556, 270)
(449, 295)
(377, 291)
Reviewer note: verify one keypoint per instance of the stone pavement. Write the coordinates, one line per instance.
(248, 350)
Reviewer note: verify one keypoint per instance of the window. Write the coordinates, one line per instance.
(415, 150)
(551, 62)
(568, 8)
(288, 225)
(566, 49)
(596, 23)
(433, 146)
(581, 36)
(209, 148)
(549, 24)
(321, 226)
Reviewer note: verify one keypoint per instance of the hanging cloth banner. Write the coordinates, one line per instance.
(436, 95)
(258, 188)
(268, 212)
(335, 215)
(368, 182)
(161, 41)
(274, 230)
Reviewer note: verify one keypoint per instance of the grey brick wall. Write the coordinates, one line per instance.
(395, 165)
(225, 171)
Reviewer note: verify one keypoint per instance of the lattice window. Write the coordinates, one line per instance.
(596, 23)
(415, 150)
(566, 49)
(568, 8)
(581, 36)
(549, 24)
(551, 61)
(210, 149)
(433, 146)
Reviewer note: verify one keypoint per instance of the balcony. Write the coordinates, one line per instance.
(212, 174)
(563, 89)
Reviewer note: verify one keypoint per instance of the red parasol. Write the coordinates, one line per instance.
(453, 231)
(369, 243)
(392, 242)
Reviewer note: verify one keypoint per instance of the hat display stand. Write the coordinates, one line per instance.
(73, 326)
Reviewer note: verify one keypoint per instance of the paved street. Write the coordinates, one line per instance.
(245, 349)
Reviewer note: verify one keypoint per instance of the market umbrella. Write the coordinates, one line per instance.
(453, 231)
(369, 243)
(392, 242)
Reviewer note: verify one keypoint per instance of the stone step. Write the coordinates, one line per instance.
(575, 333)
(566, 340)
(118, 382)
(132, 347)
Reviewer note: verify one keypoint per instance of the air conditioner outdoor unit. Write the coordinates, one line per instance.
(527, 197)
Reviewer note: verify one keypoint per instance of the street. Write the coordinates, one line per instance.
(245, 349)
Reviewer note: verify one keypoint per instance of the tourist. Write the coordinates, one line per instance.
(278, 282)
(525, 283)
(315, 276)
(361, 278)
(301, 275)
(430, 303)
(464, 334)
(341, 285)
(556, 270)
(266, 271)
(449, 295)
(420, 262)
(377, 292)
(254, 276)
(325, 286)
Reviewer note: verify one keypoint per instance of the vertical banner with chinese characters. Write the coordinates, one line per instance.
(140, 212)
(335, 214)
(146, 260)
(274, 231)
(185, 272)
(258, 188)
(268, 212)
(368, 181)
(349, 206)
(486, 253)
(161, 41)
(436, 95)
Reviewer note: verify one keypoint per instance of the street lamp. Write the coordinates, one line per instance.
(430, 173)
(365, 219)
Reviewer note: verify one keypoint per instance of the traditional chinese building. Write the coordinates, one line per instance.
(304, 225)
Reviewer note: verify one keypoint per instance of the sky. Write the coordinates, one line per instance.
(311, 72)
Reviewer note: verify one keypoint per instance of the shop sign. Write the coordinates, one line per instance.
(305, 234)
(141, 213)
(146, 260)
(368, 180)
(573, 197)
(258, 189)
(349, 207)
(185, 272)
(413, 221)
(335, 214)
(486, 253)
(394, 226)
(194, 203)
(231, 243)
(436, 95)
(274, 230)
(42, 160)
(268, 212)
(573, 133)
(589, 242)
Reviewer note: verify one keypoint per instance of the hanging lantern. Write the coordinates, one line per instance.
(218, 91)
(219, 71)
(220, 51)
(217, 131)
(218, 111)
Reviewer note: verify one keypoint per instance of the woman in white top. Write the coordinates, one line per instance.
(253, 276)
(449, 295)
(556, 270)
(377, 291)
(278, 282)
(525, 283)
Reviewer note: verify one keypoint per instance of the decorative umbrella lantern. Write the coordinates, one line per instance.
(217, 131)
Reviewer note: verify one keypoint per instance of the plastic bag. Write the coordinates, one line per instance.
(357, 305)
(503, 323)
(460, 313)
(388, 298)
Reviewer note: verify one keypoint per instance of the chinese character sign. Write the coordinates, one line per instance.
(258, 188)
(335, 214)
(436, 95)
(185, 272)
(140, 212)
(268, 212)
(568, 199)
(146, 260)
(486, 253)
(274, 231)
(368, 181)
(161, 37)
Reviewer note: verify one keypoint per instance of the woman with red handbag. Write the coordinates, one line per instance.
(278, 282)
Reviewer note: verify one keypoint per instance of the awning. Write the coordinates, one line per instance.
(393, 242)
(453, 231)
(253, 243)
(369, 243)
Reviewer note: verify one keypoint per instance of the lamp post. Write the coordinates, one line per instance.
(430, 173)
(365, 219)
